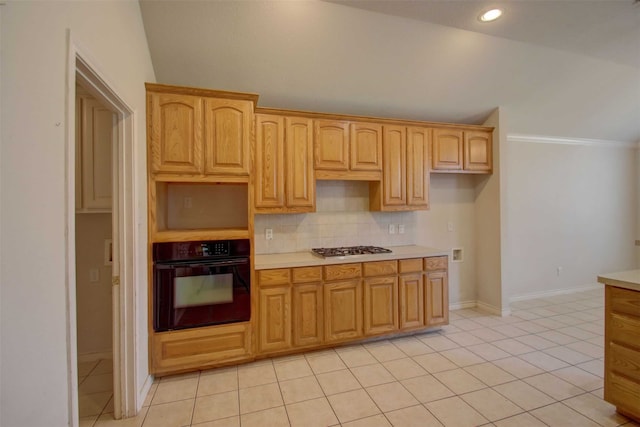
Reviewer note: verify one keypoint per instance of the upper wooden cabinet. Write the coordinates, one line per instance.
(405, 173)
(199, 133)
(175, 133)
(465, 151)
(347, 150)
(284, 172)
(227, 125)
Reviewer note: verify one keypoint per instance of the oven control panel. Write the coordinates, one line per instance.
(173, 251)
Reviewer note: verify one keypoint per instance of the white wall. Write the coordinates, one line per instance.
(568, 206)
(93, 299)
(34, 365)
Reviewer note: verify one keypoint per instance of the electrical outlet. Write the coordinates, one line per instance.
(392, 229)
(187, 202)
(400, 228)
(559, 271)
(449, 226)
(268, 233)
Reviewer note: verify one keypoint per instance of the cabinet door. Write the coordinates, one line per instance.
(331, 145)
(342, 310)
(394, 173)
(436, 298)
(366, 147)
(269, 161)
(275, 319)
(300, 186)
(95, 144)
(227, 136)
(411, 301)
(418, 167)
(175, 133)
(447, 149)
(308, 328)
(380, 305)
(478, 155)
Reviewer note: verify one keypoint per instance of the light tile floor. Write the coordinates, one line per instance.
(540, 366)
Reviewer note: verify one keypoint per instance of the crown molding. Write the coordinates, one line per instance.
(538, 139)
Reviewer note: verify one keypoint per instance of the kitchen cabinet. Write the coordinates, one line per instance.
(284, 165)
(343, 310)
(275, 318)
(94, 142)
(622, 341)
(227, 137)
(411, 293)
(380, 297)
(436, 293)
(347, 150)
(175, 132)
(274, 310)
(196, 133)
(200, 348)
(464, 151)
(405, 174)
(308, 307)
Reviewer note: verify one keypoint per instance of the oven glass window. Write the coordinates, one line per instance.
(193, 291)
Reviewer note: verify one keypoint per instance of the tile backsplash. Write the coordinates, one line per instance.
(342, 218)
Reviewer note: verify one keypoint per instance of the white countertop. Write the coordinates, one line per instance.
(622, 279)
(305, 259)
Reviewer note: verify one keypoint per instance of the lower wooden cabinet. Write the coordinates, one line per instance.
(380, 305)
(411, 301)
(199, 348)
(308, 314)
(343, 310)
(308, 307)
(275, 319)
(436, 299)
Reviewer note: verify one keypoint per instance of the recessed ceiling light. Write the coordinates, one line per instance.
(490, 15)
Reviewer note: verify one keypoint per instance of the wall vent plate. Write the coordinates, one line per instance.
(456, 255)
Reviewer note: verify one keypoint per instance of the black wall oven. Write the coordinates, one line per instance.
(201, 283)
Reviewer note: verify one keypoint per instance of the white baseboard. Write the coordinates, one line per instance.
(462, 304)
(554, 292)
(498, 311)
(94, 357)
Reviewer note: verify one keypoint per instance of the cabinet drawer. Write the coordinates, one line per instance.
(410, 265)
(279, 276)
(435, 263)
(306, 274)
(342, 271)
(380, 268)
(624, 301)
(623, 393)
(625, 330)
(625, 361)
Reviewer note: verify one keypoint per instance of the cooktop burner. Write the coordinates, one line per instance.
(349, 250)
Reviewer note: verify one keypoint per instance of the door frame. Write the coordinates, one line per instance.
(82, 69)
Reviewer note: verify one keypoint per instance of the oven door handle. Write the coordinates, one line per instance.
(219, 263)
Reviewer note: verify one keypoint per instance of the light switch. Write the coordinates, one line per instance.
(94, 275)
(449, 226)
(187, 202)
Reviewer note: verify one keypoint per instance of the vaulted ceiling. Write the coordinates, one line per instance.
(559, 68)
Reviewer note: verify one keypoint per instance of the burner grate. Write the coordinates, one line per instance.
(349, 250)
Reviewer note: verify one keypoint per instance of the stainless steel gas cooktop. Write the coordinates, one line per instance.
(349, 250)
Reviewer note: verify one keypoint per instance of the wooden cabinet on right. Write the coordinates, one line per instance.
(405, 173)
(622, 350)
(436, 293)
(462, 151)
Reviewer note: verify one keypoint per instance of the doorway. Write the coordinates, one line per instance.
(96, 127)
(119, 252)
